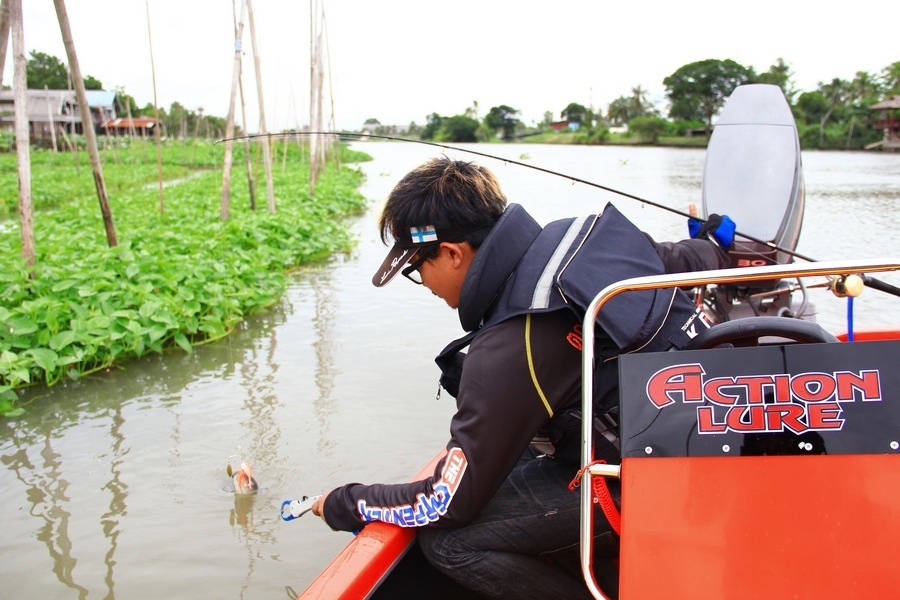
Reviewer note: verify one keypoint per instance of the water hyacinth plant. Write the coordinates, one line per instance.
(175, 280)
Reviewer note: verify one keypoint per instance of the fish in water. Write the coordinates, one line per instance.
(243, 480)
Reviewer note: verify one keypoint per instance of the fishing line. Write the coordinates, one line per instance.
(870, 281)
(363, 136)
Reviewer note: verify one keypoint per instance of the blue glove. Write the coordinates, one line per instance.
(721, 228)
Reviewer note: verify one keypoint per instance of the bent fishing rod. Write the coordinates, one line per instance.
(870, 281)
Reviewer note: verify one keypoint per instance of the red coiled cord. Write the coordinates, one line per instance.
(600, 496)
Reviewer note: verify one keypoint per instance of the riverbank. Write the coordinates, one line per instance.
(614, 139)
(179, 276)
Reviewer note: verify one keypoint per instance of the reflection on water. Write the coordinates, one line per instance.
(326, 309)
(115, 485)
(46, 491)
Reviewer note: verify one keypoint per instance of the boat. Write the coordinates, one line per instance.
(758, 463)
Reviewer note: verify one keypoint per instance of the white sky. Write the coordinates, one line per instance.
(401, 60)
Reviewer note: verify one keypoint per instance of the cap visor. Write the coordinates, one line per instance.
(393, 263)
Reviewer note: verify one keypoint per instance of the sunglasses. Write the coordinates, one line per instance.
(412, 271)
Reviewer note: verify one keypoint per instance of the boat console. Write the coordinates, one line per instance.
(758, 471)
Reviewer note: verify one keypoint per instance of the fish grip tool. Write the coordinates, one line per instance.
(293, 509)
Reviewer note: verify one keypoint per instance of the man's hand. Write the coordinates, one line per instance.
(318, 507)
(720, 227)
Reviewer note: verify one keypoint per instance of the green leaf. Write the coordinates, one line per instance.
(182, 341)
(22, 326)
(45, 359)
(61, 286)
(62, 339)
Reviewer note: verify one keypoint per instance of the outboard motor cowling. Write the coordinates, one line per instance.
(753, 173)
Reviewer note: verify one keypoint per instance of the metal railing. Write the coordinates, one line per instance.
(815, 269)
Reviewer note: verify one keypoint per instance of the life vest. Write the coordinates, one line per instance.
(522, 268)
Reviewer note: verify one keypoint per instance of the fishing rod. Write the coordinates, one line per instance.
(870, 281)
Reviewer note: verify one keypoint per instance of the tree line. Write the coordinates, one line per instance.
(835, 115)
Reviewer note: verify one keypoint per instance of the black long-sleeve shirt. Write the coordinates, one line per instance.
(518, 374)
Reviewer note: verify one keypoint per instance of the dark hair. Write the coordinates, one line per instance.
(451, 195)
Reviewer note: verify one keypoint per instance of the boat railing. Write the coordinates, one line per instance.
(694, 279)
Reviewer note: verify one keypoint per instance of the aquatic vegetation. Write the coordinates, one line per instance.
(175, 280)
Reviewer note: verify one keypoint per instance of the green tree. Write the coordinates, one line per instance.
(432, 125)
(576, 113)
(179, 121)
(699, 89)
(625, 108)
(810, 107)
(649, 128)
(548, 118)
(619, 111)
(45, 70)
(779, 74)
(126, 103)
(890, 79)
(92, 83)
(502, 119)
(865, 89)
(837, 95)
(457, 129)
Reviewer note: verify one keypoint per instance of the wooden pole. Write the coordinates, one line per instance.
(267, 158)
(229, 121)
(50, 119)
(132, 134)
(248, 162)
(313, 139)
(158, 125)
(4, 34)
(23, 151)
(247, 158)
(87, 122)
(331, 121)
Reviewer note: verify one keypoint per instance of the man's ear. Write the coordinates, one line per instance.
(458, 253)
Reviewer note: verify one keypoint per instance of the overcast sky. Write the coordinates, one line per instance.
(401, 60)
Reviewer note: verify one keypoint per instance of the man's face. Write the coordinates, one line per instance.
(444, 273)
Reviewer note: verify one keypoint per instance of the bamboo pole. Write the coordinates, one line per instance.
(317, 100)
(50, 119)
(313, 139)
(23, 151)
(247, 158)
(87, 122)
(157, 126)
(229, 120)
(132, 134)
(267, 158)
(331, 121)
(4, 34)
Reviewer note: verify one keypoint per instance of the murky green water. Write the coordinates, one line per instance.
(115, 486)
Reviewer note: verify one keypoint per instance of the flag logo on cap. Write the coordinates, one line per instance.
(423, 235)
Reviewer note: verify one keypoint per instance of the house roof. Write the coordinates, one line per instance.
(40, 104)
(96, 98)
(100, 97)
(125, 123)
(893, 102)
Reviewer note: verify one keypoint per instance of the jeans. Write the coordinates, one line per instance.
(516, 547)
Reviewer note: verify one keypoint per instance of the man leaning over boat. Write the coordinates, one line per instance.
(498, 505)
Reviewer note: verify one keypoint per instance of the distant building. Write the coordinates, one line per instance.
(138, 126)
(888, 122)
(561, 125)
(58, 108)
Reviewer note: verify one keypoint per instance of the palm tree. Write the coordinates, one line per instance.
(838, 94)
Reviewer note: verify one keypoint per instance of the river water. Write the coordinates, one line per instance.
(115, 486)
